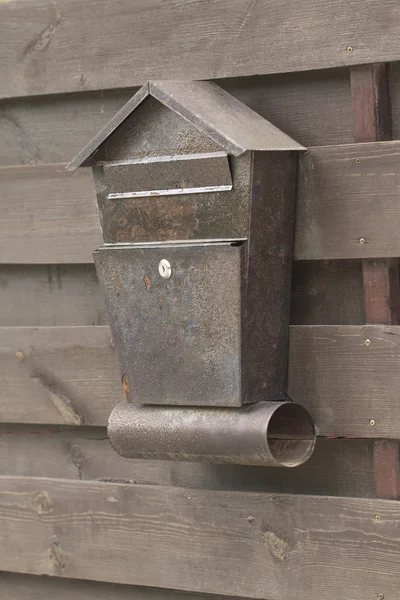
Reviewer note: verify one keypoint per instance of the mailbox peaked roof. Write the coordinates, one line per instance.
(215, 112)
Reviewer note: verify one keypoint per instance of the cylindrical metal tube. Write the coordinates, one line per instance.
(274, 434)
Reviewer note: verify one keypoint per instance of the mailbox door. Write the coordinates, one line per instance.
(175, 314)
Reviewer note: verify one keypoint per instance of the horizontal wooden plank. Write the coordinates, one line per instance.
(15, 586)
(47, 217)
(58, 375)
(348, 204)
(62, 46)
(337, 467)
(243, 543)
(323, 292)
(313, 107)
(348, 377)
(50, 295)
(69, 375)
(348, 207)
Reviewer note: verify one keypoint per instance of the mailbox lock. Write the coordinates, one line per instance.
(164, 268)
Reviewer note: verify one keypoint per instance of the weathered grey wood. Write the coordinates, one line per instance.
(346, 194)
(348, 204)
(50, 295)
(323, 293)
(348, 378)
(65, 375)
(47, 217)
(62, 46)
(249, 544)
(69, 375)
(336, 468)
(314, 108)
(32, 587)
(328, 292)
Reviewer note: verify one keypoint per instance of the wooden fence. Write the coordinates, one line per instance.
(70, 507)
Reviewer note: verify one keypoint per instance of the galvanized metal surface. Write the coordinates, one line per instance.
(203, 215)
(168, 175)
(274, 434)
(178, 340)
(213, 111)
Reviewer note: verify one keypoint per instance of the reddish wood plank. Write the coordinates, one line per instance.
(372, 122)
(381, 291)
(370, 100)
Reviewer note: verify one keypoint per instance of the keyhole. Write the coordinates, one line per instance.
(164, 268)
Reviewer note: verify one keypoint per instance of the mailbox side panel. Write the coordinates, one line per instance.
(177, 339)
(267, 278)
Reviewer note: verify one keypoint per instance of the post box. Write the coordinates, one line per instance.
(196, 194)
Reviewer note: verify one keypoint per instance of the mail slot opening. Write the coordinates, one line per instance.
(290, 435)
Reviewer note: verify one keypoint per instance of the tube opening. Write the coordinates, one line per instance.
(290, 435)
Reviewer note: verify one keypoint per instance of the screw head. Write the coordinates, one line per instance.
(349, 49)
(381, 596)
(367, 343)
(361, 241)
(164, 268)
(372, 422)
(377, 517)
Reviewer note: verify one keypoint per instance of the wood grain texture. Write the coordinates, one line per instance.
(32, 587)
(51, 129)
(347, 377)
(47, 217)
(348, 202)
(346, 194)
(61, 375)
(370, 99)
(69, 375)
(62, 47)
(50, 295)
(249, 544)
(323, 293)
(336, 468)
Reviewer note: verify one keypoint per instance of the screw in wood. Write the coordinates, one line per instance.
(358, 161)
(361, 241)
(20, 355)
(377, 517)
(372, 422)
(367, 343)
(381, 596)
(349, 49)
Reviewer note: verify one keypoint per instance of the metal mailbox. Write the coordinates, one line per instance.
(196, 194)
